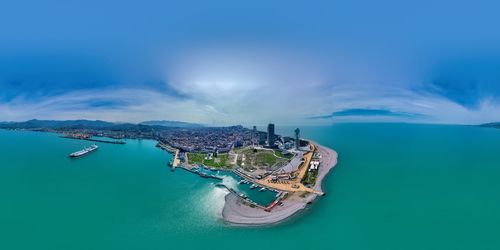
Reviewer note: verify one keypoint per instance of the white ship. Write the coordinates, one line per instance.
(84, 151)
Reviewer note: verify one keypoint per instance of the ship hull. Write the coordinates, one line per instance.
(84, 152)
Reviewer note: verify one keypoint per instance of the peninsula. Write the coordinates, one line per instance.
(300, 187)
(293, 168)
(286, 171)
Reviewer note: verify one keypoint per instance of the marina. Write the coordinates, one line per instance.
(243, 188)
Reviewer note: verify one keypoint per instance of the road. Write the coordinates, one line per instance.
(293, 185)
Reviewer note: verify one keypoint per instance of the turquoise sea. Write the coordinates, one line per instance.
(397, 186)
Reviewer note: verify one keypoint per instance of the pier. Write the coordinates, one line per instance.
(94, 140)
(174, 162)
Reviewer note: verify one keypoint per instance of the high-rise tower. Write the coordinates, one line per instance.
(270, 135)
(297, 138)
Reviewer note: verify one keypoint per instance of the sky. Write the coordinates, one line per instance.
(251, 62)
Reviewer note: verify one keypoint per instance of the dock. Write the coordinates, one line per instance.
(174, 162)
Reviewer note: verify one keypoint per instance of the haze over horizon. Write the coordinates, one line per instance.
(227, 62)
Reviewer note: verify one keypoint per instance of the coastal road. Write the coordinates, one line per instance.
(299, 187)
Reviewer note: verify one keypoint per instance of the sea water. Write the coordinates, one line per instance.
(397, 186)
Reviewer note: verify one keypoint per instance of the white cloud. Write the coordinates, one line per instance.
(251, 86)
(292, 106)
(130, 105)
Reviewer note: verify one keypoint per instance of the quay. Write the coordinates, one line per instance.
(174, 162)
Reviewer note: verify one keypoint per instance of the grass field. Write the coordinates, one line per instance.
(258, 158)
(280, 154)
(217, 162)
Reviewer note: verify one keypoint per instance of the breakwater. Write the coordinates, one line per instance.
(244, 199)
(203, 175)
(94, 140)
(166, 147)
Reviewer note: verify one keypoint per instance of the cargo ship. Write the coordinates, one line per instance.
(84, 151)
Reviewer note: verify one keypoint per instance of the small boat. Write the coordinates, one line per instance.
(262, 189)
(253, 186)
(241, 181)
(243, 196)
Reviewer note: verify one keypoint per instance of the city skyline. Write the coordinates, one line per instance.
(222, 63)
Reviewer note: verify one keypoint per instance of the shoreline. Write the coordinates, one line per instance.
(236, 213)
(239, 214)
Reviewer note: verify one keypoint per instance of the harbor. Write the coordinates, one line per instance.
(248, 192)
(279, 178)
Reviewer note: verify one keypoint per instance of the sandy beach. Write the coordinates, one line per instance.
(235, 212)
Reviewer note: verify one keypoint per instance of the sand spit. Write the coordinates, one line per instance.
(238, 213)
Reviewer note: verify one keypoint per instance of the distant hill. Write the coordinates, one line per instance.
(491, 125)
(173, 124)
(97, 124)
(31, 124)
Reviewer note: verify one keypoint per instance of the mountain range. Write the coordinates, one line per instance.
(93, 124)
(173, 124)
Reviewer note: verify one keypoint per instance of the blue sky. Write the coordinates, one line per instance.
(251, 62)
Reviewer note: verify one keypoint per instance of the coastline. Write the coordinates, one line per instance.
(237, 213)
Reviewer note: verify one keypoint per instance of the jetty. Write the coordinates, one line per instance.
(93, 140)
(201, 174)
